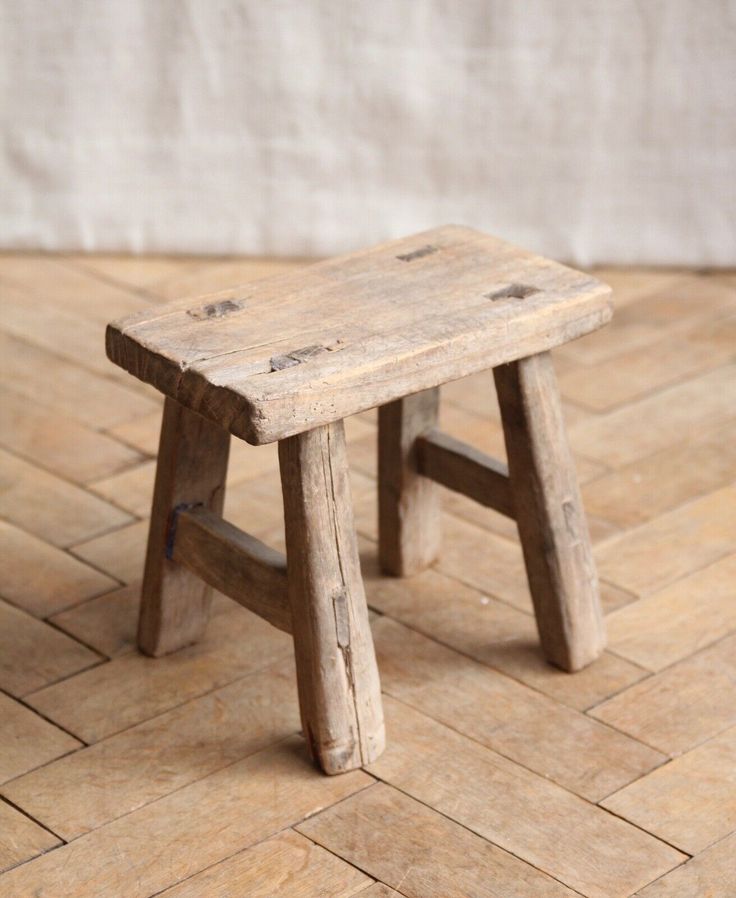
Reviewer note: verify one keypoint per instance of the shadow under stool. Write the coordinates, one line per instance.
(287, 359)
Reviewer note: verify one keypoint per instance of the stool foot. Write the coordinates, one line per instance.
(408, 503)
(339, 689)
(191, 469)
(549, 514)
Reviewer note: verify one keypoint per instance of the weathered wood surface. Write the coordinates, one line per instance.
(339, 690)
(408, 502)
(465, 470)
(234, 563)
(549, 514)
(192, 465)
(402, 317)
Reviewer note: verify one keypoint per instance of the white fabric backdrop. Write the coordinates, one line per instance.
(591, 130)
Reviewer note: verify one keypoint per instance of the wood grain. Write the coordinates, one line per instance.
(339, 689)
(549, 514)
(191, 470)
(194, 827)
(41, 578)
(28, 740)
(556, 742)
(683, 704)
(32, 654)
(133, 688)
(495, 634)
(690, 802)
(416, 850)
(287, 864)
(215, 354)
(113, 777)
(408, 503)
(491, 796)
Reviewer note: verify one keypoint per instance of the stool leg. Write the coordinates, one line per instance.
(549, 513)
(339, 689)
(408, 503)
(191, 469)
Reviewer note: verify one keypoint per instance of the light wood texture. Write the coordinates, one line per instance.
(44, 437)
(690, 802)
(556, 742)
(492, 796)
(47, 506)
(287, 864)
(179, 725)
(466, 470)
(89, 788)
(21, 838)
(700, 462)
(683, 704)
(133, 688)
(120, 553)
(194, 827)
(680, 619)
(28, 740)
(191, 471)
(84, 396)
(339, 691)
(32, 654)
(549, 514)
(708, 875)
(673, 545)
(671, 414)
(234, 563)
(41, 578)
(497, 635)
(408, 503)
(216, 354)
(415, 849)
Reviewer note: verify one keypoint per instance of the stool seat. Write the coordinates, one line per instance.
(273, 358)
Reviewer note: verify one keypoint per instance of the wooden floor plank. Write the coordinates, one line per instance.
(108, 624)
(51, 279)
(557, 742)
(89, 788)
(28, 741)
(652, 555)
(287, 864)
(172, 839)
(41, 578)
(59, 512)
(618, 437)
(701, 462)
(518, 810)
(20, 838)
(41, 435)
(84, 396)
(34, 654)
(680, 619)
(420, 852)
(133, 688)
(682, 705)
(690, 802)
(120, 553)
(710, 874)
(495, 634)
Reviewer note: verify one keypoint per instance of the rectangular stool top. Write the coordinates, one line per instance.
(285, 354)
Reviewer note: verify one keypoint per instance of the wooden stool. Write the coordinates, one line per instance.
(287, 359)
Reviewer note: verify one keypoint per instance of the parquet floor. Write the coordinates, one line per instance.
(185, 776)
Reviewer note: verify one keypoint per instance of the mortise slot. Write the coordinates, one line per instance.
(418, 253)
(297, 356)
(512, 291)
(217, 309)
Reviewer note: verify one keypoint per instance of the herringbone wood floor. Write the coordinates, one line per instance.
(125, 776)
